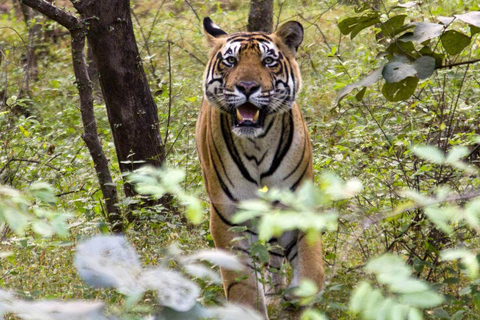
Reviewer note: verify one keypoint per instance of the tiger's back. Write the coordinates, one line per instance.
(250, 133)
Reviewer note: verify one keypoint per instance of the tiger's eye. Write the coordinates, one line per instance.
(231, 60)
(268, 60)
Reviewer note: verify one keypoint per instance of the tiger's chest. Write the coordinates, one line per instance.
(279, 158)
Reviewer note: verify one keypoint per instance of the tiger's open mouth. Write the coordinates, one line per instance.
(249, 115)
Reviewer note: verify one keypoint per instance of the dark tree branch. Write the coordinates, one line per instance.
(458, 64)
(62, 17)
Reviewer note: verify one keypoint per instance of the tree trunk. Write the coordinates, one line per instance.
(260, 17)
(131, 110)
(84, 86)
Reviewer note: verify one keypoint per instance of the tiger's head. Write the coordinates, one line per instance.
(251, 75)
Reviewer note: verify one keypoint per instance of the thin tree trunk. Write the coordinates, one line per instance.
(90, 136)
(260, 17)
(131, 110)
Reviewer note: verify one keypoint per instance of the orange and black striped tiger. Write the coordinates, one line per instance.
(250, 134)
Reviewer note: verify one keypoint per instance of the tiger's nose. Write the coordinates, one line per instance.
(247, 87)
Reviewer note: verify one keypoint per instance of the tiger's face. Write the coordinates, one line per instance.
(252, 75)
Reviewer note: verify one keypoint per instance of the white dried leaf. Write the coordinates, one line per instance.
(109, 261)
(220, 258)
(57, 310)
(232, 311)
(173, 290)
(6, 301)
(203, 272)
(445, 20)
(472, 18)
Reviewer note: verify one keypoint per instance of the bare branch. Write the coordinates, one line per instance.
(458, 64)
(62, 17)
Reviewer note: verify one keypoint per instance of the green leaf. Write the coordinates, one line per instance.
(194, 210)
(399, 91)
(15, 220)
(472, 213)
(440, 313)
(354, 25)
(414, 314)
(474, 30)
(42, 228)
(312, 314)
(359, 297)
(368, 81)
(399, 312)
(441, 217)
(373, 304)
(429, 153)
(424, 66)
(408, 286)
(359, 96)
(43, 191)
(456, 154)
(468, 259)
(398, 69)
(388, 264)
(454, 42)
(425, 299)
(402, 48)
(392, 26)
(424, 31)
(307, 291)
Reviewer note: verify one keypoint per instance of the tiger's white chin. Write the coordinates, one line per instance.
(247, 132)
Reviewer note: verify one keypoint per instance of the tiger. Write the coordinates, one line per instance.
(251, 134)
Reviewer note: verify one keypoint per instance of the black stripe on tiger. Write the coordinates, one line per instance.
(257, 162)
(221, 161)
(228, 223)
(299, 162)
(301, 178)
(283, 146)
(232, 150)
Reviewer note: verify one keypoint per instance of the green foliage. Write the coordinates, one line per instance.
(20, 211)
(407, 63)
(407, 294)
(157, 182)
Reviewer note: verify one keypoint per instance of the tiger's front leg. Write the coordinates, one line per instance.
(243, 287)
(307, 263)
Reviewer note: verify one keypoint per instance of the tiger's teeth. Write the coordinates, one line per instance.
(239, 116)
(255, 117)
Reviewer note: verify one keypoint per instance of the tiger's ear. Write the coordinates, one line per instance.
(212, 31)
(291, 33)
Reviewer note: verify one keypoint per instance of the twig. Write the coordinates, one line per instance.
(169, 93)
(178, 135)
(458, 64)
(189, 53)
(279, 14)
(70, 192)
(147, 48)
(188, 3)
(33, 161)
